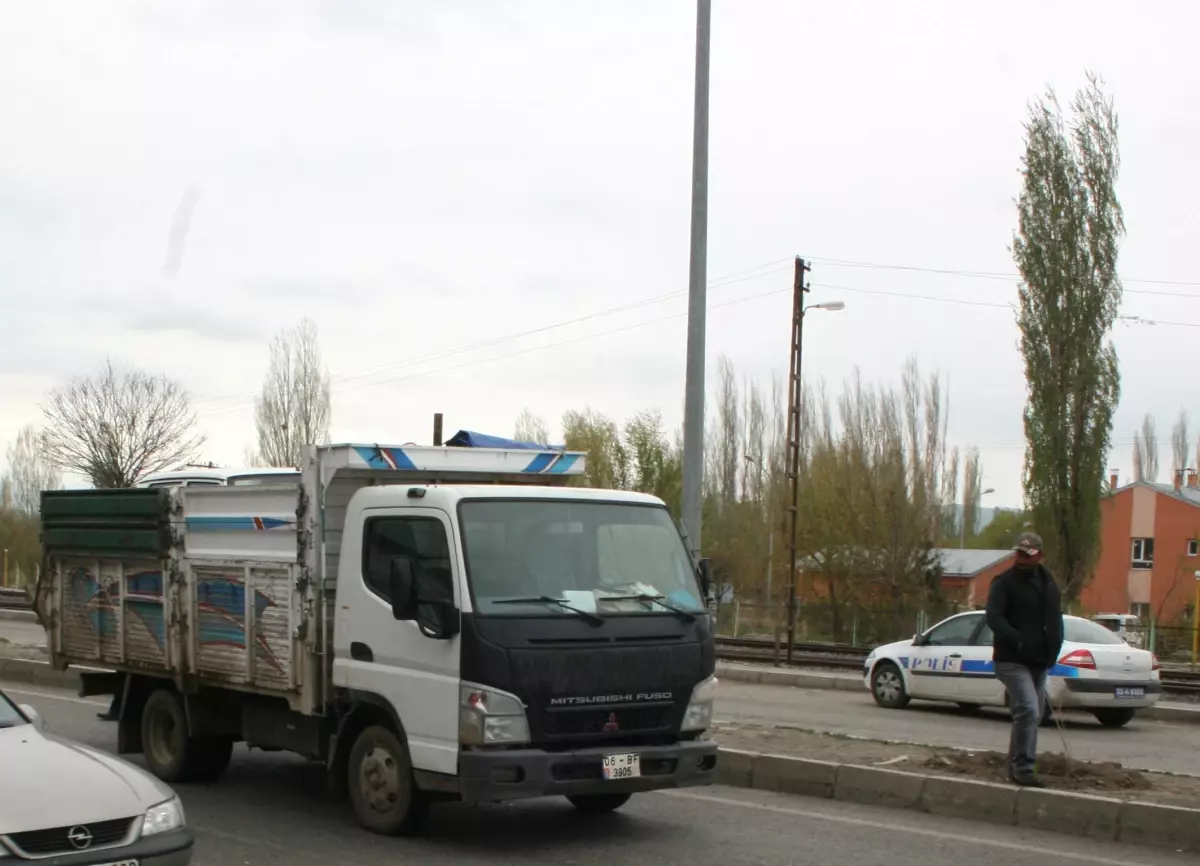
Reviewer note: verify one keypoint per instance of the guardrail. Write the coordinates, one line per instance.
(14, 599)
(845, 657)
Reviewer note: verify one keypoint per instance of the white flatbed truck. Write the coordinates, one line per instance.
(432, 623)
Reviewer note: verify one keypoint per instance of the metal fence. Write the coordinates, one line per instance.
(822, 622)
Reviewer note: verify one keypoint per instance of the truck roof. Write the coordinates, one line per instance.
(458, 492)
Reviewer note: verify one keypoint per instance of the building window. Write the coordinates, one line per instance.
(1193, 547)
(1143, 553)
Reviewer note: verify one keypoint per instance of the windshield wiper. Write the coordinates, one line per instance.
(685, 615)
(589, 618)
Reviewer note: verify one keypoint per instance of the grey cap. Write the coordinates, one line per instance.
(1029, 542)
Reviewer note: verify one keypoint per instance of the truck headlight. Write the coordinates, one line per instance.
(164, 818)
(487, 717)
(699, 713)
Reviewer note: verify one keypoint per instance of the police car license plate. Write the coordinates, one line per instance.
(627, 766)
(1134, 692)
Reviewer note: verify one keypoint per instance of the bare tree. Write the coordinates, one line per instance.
(1179, 442)
(29, 472)
(531, 428)
(294, 409)
(1150, 448)
(119, 426)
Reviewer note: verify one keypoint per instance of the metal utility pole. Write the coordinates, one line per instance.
(795, 415)
(693, 404)
(793, 443)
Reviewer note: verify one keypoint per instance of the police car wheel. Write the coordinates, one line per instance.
(887, 687)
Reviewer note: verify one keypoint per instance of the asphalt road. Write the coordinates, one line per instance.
(273, 809)
(1144, 744)
(22, 631)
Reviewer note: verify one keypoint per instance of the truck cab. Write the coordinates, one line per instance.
(529, 642)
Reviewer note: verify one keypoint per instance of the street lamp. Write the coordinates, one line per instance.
(962, 529)
(796, 416)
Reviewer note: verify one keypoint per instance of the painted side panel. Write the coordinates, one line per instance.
(246, 523)
(243, 615)
(112, 612)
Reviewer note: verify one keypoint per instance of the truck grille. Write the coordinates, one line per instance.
(45, 843)
(593, 722)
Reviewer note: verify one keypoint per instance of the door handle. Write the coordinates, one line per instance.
(360, 652)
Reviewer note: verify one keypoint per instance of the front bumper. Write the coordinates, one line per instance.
(1088, 694)
(511, 775)
(166, 849)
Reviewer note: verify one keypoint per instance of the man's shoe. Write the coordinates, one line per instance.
(1028, 780)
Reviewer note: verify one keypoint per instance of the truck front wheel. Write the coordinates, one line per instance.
(598, 804)
(386, 800)
(171, 753)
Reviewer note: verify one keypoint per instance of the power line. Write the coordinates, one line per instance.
(996, 275)
(526, 351)
(743, 275)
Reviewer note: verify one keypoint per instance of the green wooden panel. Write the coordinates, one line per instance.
(116, 541)
(114, 523)
(149, 504)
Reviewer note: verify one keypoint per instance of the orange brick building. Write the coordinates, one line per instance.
(967, 575)
(1149, 550)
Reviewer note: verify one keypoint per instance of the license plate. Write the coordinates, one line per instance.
(627, 766)
(120, 863)
(1129, 692)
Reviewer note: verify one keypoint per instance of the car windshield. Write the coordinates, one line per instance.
(547, 556)
(1086, 631)
(10, 716)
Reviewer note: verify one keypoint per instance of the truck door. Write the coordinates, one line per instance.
(416, 674)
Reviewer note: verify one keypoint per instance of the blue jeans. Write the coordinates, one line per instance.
(1026, 697)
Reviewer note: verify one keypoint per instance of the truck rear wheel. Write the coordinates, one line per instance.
(171, 753)
(385, 797)
(598, 804)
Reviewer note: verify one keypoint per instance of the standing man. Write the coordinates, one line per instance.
(1024, 612)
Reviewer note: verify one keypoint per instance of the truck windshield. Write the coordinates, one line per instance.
(598, 557)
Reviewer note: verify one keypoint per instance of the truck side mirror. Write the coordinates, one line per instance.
(704, 570)
(436, 615)
(403, 587)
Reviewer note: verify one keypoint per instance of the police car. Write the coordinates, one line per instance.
(1096, 670)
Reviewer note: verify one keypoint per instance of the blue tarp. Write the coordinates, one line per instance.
(468, 439)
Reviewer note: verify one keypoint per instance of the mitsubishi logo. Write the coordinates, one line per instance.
(80, 837)
(611, 725)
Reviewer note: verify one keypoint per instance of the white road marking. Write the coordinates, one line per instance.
(905, 828)
(50, 697)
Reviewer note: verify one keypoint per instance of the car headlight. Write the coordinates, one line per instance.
(164, 818)
(487, 717)
(699, 713)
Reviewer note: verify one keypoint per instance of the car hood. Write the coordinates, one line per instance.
(64, 783)
(899, 647)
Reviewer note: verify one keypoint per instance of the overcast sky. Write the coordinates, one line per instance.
(420, 178)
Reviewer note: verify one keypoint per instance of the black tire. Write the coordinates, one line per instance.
(1116, 717)
(170, 753)
(887, 687)
(384, 795)
(970, 709)
(598, 804)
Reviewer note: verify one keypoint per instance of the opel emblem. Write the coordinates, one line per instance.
(80, 837)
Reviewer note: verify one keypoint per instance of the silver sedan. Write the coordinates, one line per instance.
(63, 804)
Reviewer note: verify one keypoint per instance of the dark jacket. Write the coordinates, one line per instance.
(1024, 612)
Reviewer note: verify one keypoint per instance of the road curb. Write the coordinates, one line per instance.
(741, 673)
(1144, 824)
(40, 673)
